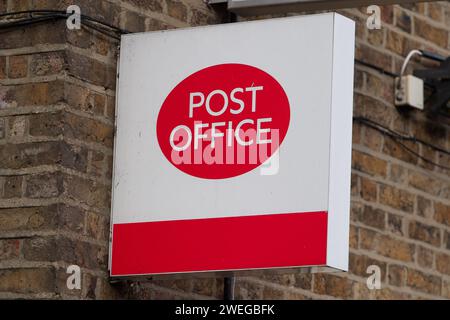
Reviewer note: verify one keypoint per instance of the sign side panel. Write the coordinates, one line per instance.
(341, 143)
(116, 111)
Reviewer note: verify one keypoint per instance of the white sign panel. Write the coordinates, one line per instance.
(233, 147)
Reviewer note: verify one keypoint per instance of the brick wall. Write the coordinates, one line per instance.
(56, 135)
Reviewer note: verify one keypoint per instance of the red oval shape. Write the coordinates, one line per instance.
(223, 121)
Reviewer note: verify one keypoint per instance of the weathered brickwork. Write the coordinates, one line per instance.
(57, 100)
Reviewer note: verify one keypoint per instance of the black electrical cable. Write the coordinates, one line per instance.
(48, 15)
(31, 21)
(396, 137)
(27, 21)
(432, 56)
(35, 20)
(401, 136)
(94, 27)
(15, 13)
(66, 15)
(379, 69)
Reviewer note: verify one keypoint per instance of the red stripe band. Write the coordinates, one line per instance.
(213, 244)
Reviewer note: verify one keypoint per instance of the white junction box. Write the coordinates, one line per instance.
(409, 92)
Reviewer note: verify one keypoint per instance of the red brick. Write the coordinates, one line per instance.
(389, 294)
(369, 164)
(400, 44)
(368, 189)
(18, 67)
(102, 46)
(70, 218)
(2, 67)
(436, 35)
(372, 217)
(425, 233)
(12, 187)
(33, 35)
(373, 139)
(386, 245)
(27, 280)
(177, 9)
(398, 173)
(356, 133)
(425, 257)
(376, 37)
(3, 124)
(59, 248)
(358, 265)
(435, 11)
(380, 87)
(424, 207)
(373, 56)
(88, 192)
(446, 289)
(426, 183)
(415, 7)
(97, 164)
(331, 285)
(31, 94)
(133, 21)
(387, 14)
(91, 70)
(442, 213)
(175, 284)
(26, 155)
(49, 63)
(248, 290)
(404, 20)
(97, 227)
(200, 17)
(395, 150)
(45, 185)
(272, 293)
(423, 282)
(28, 218)
(395, 224)
(373, 109)
(303, 281)
(9, 249)
(430, 154)
(354, 237)
(397, 275)
(17, 127)
(88, 130)
(443, 263)
(430, 131)
(151, 5)
(47, 124)
(447, 240)
(110, 107)
(354, 185)
(206, 287)
(396, 198)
